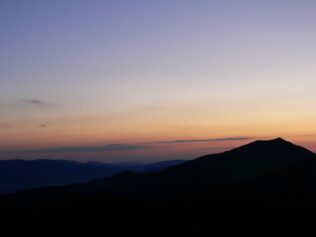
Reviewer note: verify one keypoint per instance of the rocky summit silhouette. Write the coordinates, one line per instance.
(262, 174)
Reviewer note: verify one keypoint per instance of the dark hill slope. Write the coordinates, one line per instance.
(210, 177)
(213, 173)
(224, 191)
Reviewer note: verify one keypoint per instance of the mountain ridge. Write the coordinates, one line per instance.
(181, 199)
(209, 173)
(18, 174)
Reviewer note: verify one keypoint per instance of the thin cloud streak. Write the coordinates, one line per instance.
(36, 102)
(105, 148)
(204, 140)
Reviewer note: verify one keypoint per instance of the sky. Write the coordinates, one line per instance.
(145, 80)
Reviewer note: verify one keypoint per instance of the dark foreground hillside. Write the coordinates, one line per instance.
(251, 189)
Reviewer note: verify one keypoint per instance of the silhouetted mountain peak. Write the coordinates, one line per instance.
(274, 146)
(251, 160)
(279, 139)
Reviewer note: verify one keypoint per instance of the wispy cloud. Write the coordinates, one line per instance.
(36, 102)
(204, 140)
(105, 148)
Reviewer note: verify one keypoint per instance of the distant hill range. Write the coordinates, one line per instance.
(186, 198)
(18, 175)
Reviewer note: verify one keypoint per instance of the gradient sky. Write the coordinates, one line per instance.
(78, 76)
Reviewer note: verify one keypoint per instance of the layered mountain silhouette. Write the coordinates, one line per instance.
(210, 175)
(262, 174)
(18, 175)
